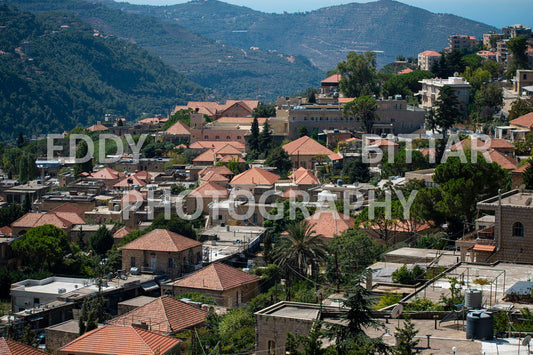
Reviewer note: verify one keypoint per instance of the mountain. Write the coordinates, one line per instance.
(56, 72)
(324, 36)
(229, 72)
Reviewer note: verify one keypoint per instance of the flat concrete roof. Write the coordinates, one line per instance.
(137, 301)
(294, 310)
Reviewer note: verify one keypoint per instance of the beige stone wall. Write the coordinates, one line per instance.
(516, 249)
(228, 298)
(274, 329)
(143, 259)
(56, 338)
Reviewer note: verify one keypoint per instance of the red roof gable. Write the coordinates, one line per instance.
(218, 277)
(11, 347)
(523, 121)
(106, 174)
(165, 315)
(332, 79)
(179, 129)
(255, 176)
(120, 340)
(330, 223)
(210, 190)
(162, 240)
(307, 146)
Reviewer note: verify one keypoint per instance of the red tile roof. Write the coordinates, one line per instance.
(303, 176)
(121, 233)
(162, 240)
(130, 181)
(523, 121)
(222, 170)
(382, 142)
(165, 315)
(120, 340)
(227, 158)
(405, 71)
(255, 176)
(430, 54)
(484, 247)
(6, 230)
(505, 161)
(97, 127)
(217, 277)
(11, 347)
(179, 129)
(133, 196)
(143, 175)
(210, 190)
(62, 220)
(332, 79)
(106, 174)
(70, 208)
(207, 156)
(228, 149)
(307, 146)
(214, 177)
(150, 120)
(522, 169)
(481, 145)
(215, 145)
(330, 223)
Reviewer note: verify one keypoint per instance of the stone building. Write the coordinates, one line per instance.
(162, 251)
(510, 236)
(429, 93)
(274, 322)
(229, 287)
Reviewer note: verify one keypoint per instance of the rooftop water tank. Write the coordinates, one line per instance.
(473, 298)
(479, 325)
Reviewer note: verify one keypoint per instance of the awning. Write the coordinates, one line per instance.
(484, 247)
(149, 286)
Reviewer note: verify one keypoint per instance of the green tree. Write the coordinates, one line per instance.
(101, 241)
(382, 223)
(253, 141)
(41, 248)
(266, 141)
(302, 131)
(405, 84)
(179, 116)
(489, 101)
(277, 226)
(300, 249)
(356, 171)
(81, 152)
(263, 110)
(237, 331)
(358, 75)
(279, 158)
(527, 175)
(20, 140)
(517, 48)
(463, 184)
(408, 277)
(175, 224)
(446, 111)
(399, 165)
(362, 109)
(350, 337)
(349, 253)
(406, 338)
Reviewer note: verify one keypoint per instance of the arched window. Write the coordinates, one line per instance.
(271, 347)
(518, 229)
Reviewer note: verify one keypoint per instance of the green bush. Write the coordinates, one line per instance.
(389, 298)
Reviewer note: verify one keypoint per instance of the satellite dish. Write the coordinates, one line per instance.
(456, 74)
(521, 188)
(396, 311)
(528, 201)
(526, 340)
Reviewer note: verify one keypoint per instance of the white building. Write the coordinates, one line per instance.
(427, 58)
(431, 89)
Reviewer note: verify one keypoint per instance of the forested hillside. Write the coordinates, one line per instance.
(324, 36)
(228, 72)
(56, 73)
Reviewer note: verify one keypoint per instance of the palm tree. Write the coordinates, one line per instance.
(299, 248)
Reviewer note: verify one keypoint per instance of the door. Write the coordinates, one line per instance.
(153, 262)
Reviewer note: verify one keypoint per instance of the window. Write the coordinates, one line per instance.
(36, 301)
(238, 137)
(132, 261)
(217, 137)
(227, 137)
(171, 263)
(271, 347)
(518, 229)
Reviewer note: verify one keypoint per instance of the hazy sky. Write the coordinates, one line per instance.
(498, 13)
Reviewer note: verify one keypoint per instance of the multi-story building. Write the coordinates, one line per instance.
(509, 237)
(490, 39)
(427, 58)
(431, 89)
(516, 31)
(395, 116)
(461, 42)
(522, 79)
